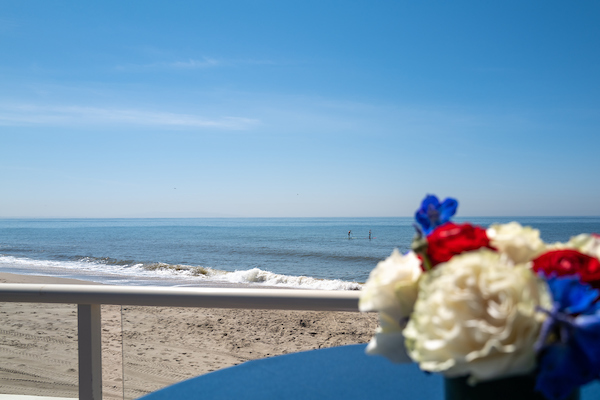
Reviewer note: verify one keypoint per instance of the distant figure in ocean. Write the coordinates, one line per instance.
(369, 234)
(349, 233)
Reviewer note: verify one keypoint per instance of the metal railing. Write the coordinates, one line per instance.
(89, 298)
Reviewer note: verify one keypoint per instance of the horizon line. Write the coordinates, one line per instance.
(314, 217)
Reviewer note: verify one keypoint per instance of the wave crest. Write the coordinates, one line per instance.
(128, 269)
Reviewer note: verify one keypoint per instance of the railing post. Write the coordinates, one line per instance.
(90, 351)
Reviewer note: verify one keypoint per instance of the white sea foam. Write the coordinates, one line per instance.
(132, 272)
(256, 275)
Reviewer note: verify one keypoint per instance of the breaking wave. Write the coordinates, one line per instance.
(127, 269)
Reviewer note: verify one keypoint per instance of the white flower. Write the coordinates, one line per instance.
(389, 340)
(476, 315)
(391, 290)
(556, 246)
(586, 244)
(520, 244)
(392, 286)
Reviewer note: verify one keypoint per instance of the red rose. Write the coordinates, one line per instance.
(451, 239)
(569, 262)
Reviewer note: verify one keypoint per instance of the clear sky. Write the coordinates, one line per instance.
(298, 108)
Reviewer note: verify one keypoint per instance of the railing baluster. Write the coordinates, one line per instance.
(90, 351)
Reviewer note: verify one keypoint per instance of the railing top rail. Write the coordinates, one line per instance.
(280, 299)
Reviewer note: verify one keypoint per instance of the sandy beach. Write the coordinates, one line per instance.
(155, 346)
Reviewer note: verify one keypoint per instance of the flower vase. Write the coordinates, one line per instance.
(514, 388)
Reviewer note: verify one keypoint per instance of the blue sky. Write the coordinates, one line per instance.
(298, 108)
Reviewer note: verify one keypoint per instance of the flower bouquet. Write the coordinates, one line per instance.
(485, 304)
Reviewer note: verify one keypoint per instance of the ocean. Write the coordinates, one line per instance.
(310, 253)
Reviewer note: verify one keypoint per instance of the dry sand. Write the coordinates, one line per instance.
(160, 346)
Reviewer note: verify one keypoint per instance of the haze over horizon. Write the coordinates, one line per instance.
(312, 109)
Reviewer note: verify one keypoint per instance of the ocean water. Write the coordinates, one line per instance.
(312, 253)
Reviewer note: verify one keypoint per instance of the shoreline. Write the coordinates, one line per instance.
(158, 345)
(265, 279)
(9, 277)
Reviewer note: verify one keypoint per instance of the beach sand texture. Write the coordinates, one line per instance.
(161, 346)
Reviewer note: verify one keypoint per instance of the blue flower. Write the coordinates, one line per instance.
(433, 213)
(572, 358)
(573, 296)
(564, 368)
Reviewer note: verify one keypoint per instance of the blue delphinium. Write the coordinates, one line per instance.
(433, 213)
(569, 343)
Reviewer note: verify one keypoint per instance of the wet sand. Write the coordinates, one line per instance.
(157, 345)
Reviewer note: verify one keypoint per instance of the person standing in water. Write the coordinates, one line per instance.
(369, 234)
(349, 233)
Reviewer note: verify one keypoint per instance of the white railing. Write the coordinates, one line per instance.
(89, 298)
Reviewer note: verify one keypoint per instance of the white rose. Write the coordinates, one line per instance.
(389, 340)
(476, 315)
(556, 246)
(392, 286)
(392, 291)
(520, 244)
(586, 244)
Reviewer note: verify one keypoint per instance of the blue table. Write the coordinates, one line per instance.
(334, 373)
